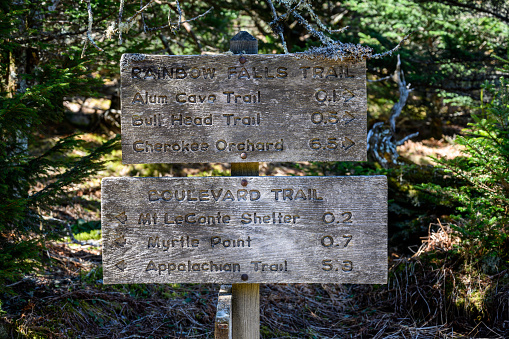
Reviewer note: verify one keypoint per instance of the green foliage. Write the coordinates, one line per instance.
(483, 221)
(445, 50)
(37, 72)
(446, 59)
(84, 230)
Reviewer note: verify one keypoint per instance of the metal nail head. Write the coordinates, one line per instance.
(242, 59)
(243, 155)
(243, 182)
(244, 277)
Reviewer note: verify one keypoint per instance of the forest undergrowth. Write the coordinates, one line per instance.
(432, 292)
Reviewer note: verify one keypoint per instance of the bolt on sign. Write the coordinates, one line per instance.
(231, 108)
(245, 229)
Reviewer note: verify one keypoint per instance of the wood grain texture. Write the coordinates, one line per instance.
(223, 323)
(274, 229)
(244, 43)
(246, 311)
(245, 297)
(248, 108)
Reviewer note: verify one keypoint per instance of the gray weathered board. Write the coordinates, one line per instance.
(249, 108)
(245, 229)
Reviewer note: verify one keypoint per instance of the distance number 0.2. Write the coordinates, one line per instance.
(329, 218)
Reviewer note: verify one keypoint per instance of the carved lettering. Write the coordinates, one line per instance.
(177, 73)
(274, 218)
(160, 147)
(296, 194)
(248, 145)
(189, 266)
(217, 241)
(250, 98)
(264, 267)
(204, 195)
(266, 73)
(234, 120)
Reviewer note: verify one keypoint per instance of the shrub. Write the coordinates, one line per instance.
(482, 221)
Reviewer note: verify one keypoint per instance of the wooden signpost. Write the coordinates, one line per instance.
(248, 108)
(243, 230)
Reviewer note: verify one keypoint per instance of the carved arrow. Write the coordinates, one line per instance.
(121, 265)
(122, 217)
(347, 118)
(120, 241)
(349, 92)
(347, 143)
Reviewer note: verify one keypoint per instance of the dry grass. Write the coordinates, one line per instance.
(68, 300)
(443, 239)
(421, 152)
(430, 295)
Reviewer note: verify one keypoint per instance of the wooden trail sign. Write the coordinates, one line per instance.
(245, 230)
(242, 108)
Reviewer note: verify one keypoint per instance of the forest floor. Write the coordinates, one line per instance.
(67, 299)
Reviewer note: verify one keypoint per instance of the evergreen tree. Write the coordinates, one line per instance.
(37, 71)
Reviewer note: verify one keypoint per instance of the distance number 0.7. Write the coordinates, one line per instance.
(328, 241)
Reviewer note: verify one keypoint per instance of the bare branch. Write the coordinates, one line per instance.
(382, 143)
(408, 137)
(143, 18)
(322, 37)
(166, 44)
(89, 31)
(85, 45)
(381, 79)
(179, 10)
(381, 55)
(173, 26)
(404, 91)
(331, 49)
(124, 27)
(120, 13)
(277, 27)
(319, 22)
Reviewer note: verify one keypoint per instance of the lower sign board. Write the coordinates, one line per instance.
(245, 230)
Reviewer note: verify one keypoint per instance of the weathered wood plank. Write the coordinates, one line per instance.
(246, 311)
(245, 230)
(223, 323)
(242, 108)
(245, 297)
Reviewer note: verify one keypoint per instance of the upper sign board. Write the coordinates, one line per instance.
(245, 230)
(242, 108)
